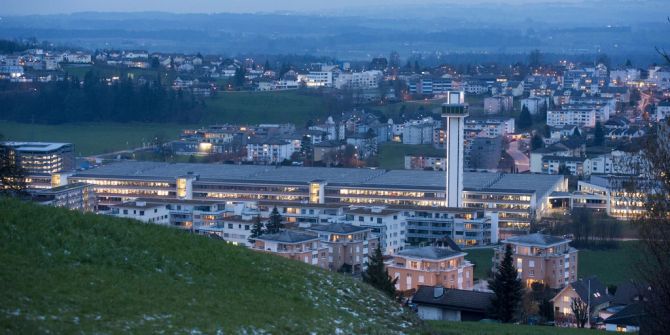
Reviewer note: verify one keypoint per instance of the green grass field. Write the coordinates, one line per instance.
(611, 266)
(91, 138)
(264, 107)
(480, 328)
(481, 258)
(392, 155)
(65, 272)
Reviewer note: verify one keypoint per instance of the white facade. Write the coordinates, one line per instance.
(272, 152)
(535, 104)
(359, 80)
(419, 132)
(454, 112)
(389, 224)
(143, 211)
(317, 79)
(572, 117)
(663, 111)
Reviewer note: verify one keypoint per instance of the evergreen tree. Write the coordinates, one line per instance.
(377, 275)
(536, 142)
(306, 150)
(598, 134)
(274, 224)
(525, 119)
(266, 67)
(507, 289)
(239, 77)
(576, 133)
(257, 229)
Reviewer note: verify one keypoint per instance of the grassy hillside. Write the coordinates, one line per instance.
(264, 107)
(91, 138)
(65, 272)
(479, 328)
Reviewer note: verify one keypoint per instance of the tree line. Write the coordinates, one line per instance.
(95, 100)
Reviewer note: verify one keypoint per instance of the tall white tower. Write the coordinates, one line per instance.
(454, 112)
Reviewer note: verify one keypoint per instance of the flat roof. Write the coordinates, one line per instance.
(352, 177)
(35, 146)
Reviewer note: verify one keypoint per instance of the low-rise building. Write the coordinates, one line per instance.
(448, 304)
(590, 291)
(541, 258)
(147, 212)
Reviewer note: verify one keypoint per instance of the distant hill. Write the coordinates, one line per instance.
(67, 272)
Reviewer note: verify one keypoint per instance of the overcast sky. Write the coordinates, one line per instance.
(25, 7)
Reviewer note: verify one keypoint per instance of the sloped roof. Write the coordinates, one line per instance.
(473, 301)
(629, 292)
(630, 315)
(536, 239)
(597, 290)
(287, 236)
(338, 228)
(430, 252)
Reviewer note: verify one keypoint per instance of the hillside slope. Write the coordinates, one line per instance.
(66, 272)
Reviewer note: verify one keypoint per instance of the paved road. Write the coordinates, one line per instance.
(521, 161)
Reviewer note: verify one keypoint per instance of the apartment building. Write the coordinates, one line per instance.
(76, 196)
(431, 266)
(146, 212)
(541, 258)
(583, 117)
(387, 223)
(40, 157)
(349, 246)
(303, 215)
(294, 245)
(466, 227)
(269, 151)
(618, 196)
(419, 131)
(498, 104)
(316, 79)
(359, 80)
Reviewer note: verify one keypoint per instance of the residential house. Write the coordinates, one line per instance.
(590, 291)
(449, 304)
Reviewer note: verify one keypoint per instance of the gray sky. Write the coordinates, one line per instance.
(25, 7)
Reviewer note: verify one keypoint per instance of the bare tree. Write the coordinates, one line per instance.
(581, 311)
(655, 230)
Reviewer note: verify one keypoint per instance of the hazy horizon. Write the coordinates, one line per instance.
(47, 7)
